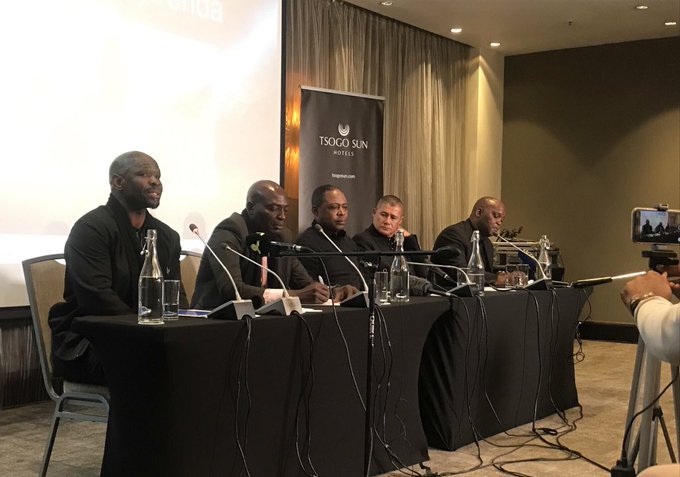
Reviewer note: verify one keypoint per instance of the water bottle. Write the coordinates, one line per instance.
(150, 293)
(475, 267)
(399, 273)
(544, 259)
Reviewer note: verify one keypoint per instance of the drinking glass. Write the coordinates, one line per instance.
(518, 275)
(170, 300)
(382, 287)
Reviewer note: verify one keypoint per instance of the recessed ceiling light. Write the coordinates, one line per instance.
(494, 44)
(641, 7)
(671, 23)
(386, 3)
(456, 30)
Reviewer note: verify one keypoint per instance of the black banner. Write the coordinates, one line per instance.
(341, 143)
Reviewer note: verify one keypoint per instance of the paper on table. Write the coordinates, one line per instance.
(194, 313)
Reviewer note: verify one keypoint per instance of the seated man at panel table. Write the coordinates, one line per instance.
(266, 207)
(487, 216)
(658, 320)
(388, 215)
(331, 211)
(104, 259)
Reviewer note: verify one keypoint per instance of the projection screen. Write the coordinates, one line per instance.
(194, 83)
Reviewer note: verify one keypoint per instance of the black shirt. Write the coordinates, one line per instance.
(340, 272)
(103, 262)
(371, 239)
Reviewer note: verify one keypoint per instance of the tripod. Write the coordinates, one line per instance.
(643, 445)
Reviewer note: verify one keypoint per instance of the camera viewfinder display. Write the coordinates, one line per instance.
(656, 226)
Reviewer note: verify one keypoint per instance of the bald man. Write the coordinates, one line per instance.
(104, 260)
(487, 216)
(266, 208)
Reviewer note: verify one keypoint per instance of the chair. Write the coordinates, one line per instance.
(189, 262)
(45, 286)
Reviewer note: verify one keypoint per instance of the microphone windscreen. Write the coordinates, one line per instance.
(318, 228)
(193, 228)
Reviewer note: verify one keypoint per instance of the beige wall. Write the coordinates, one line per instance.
(588, 134)
(485, 117)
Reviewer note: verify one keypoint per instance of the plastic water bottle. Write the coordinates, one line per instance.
(475, 267)
(399, 287)
(150, 292)
(544, 259)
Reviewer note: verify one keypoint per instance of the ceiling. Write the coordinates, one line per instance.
(528, 26)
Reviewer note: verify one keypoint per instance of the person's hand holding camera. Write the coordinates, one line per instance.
(673, 271)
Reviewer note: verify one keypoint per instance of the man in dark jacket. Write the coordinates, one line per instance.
(266, 207)
(103, 262)
(487, 216)
(388, 216)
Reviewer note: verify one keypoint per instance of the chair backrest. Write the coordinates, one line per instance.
(189, 262)
(45, 286)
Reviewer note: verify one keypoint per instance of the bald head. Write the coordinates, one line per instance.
(261, 190)
(266, 206)
(123, 163)
(487, 215)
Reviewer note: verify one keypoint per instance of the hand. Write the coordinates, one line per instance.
(673, 271)
(651, 282)
(502, 279)
(675, 288)
(342, 292)
(315, 292)
(406, 232)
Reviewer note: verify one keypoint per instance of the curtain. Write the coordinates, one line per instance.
(424, 79)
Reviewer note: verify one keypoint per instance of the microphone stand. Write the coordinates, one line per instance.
(368, 416)
(286, 305)
(360, 299)
(235, 309)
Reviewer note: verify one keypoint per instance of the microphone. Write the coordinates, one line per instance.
(286, 305)
(358, 300)
(261, 245)
(234, 309)
(435, 269)
(433, 291)
(543, 283)
(589, 282)
(463, 289)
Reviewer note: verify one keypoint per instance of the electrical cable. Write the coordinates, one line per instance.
(303, 398)
(243, 363)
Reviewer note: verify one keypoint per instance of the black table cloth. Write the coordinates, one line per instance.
(181, 392)
(513, 354)
(175, 389)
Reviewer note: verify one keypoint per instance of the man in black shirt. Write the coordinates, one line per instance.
(103, 262)
(331, 211)
(487, 216)
(388, 216)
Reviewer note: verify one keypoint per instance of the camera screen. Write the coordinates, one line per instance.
(656, 226)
